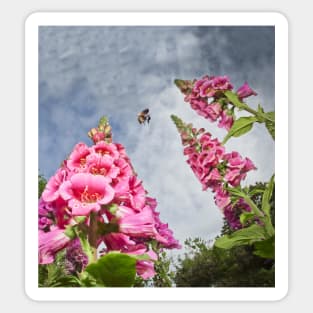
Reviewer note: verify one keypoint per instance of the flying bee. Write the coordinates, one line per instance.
(144, 116)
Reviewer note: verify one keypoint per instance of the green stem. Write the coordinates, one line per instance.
(93, 234)
(252, 205)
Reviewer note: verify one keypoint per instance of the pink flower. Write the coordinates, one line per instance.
(140, 224)
(50, 243)
(45, 215)
(145, 268)
(77, 159)
(213, 111)
(234, 177)
(221, 83)
(108, 149)
(137, 194)
(213, 180)
(222, 198)
(226, 121)
(118, 242)
(51, 191)
(86, 192)
(245, 91)
(102, 165)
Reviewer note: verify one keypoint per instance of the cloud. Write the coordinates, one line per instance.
(87, 72)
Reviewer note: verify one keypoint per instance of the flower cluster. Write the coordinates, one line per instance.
(206, 97)
(99, 181)
(215, 168)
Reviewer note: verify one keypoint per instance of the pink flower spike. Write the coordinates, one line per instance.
(245, 91)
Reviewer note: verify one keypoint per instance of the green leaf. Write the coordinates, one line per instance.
(240, 127)
(245, 217)
(233, 98)
(244, 236)
(265, 248)
(266, 206)
(114, 270)
(270, 123)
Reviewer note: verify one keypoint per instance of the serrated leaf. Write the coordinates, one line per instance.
(114, 270)
(240, 127)
(265, 248)
(270, 123)
(244, 236)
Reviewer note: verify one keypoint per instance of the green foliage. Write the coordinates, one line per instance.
(54, 274)
(257, 224)
(114, 270)
(244, 236)
(270, 123)
(41, 185)
(206, 266)
(240, 127)
(233, 98)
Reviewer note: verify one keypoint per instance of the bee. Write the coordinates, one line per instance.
(144, 116)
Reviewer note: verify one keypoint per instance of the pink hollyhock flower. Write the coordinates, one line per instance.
(137, 194)
(234, 177)
(50, 243)
(226, 121)
(249, 165)
(221, 83)
(86, 192)
(140, 224)
(213, 180)
(125, 169)
(102, 165)
(245, 91)
(118, 242)
(213, 111)
(145, 268)
(104, 148)
(167, 234)
(77, 160)
(232, 217)
(222, 198)
(51, 191)
(45, 215)
(234, 160)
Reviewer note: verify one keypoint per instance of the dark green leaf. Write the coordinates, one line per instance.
(265, 248)
(114, 270)
(244, 236)
(240, 127)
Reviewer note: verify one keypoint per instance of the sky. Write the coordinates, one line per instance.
(88, 72)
